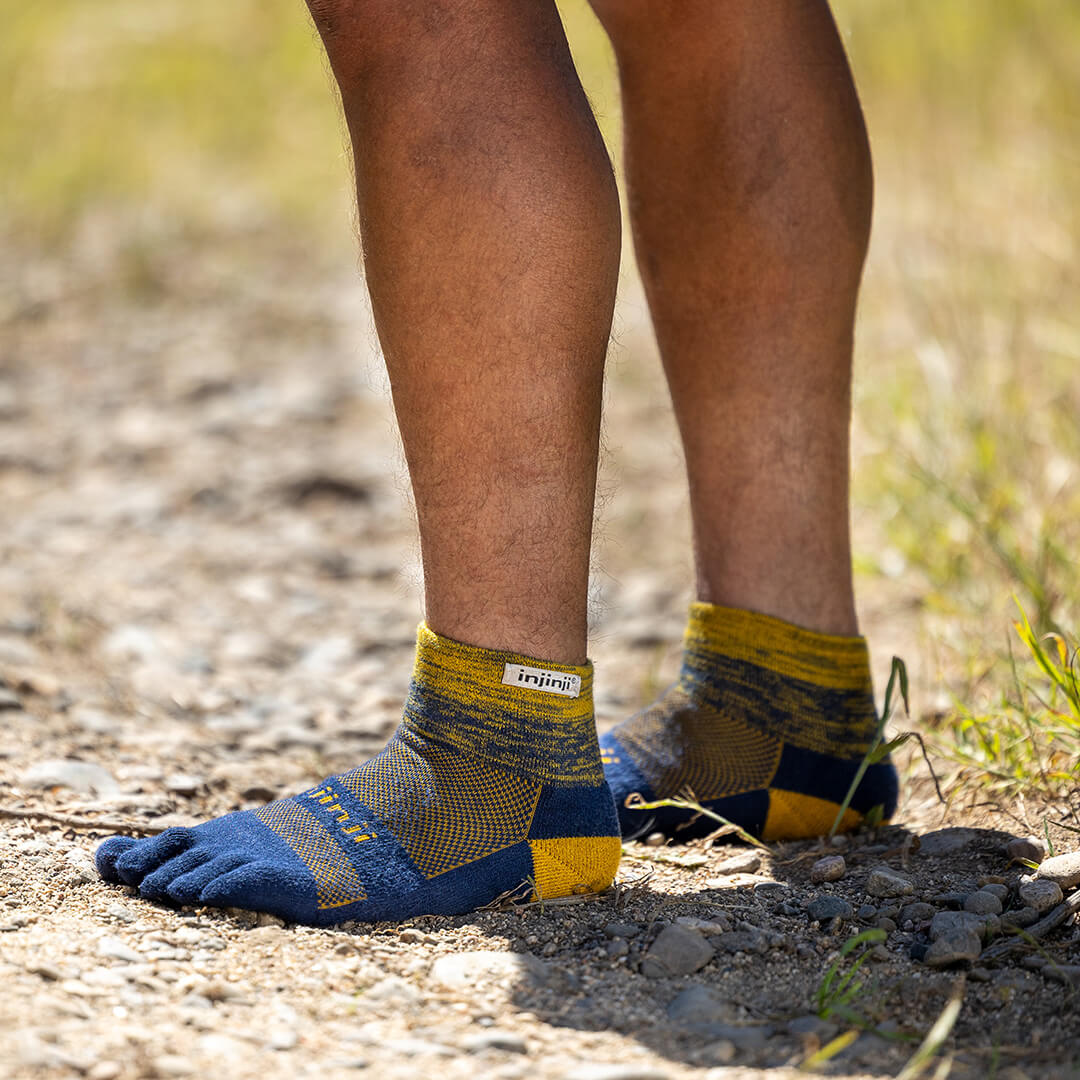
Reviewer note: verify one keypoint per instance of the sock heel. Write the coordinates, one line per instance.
(573, 865)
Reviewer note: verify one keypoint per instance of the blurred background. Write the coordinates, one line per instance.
(204, 501)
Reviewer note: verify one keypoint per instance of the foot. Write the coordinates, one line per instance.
(485, 789)
(766, 727)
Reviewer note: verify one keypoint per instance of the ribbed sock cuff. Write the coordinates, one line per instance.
(812, 688)
(532, 716)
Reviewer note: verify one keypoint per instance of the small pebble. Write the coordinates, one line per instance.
(623, 930)
(748, 862)
(1064, 870)
(495, 1039)
(917, 913)
(677, 950)
(884, 881)
(867, 912)
(1041, 895)
(828, 907)
(1025, 849)
(656, 839)
(983, 903)
(958, 922)
(829, 868)
(953, 948)
(105, 1070)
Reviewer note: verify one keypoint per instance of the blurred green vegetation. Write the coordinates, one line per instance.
(967, 478)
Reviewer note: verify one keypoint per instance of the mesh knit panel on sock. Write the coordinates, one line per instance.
(690, 749)
(445, 809)
(335, 878)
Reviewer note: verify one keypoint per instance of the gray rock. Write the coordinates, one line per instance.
(983, 903)
(748, 862)
(886, 924)
(461, 971)
(828, 907)
(1026, 849)
(770, 888)
(866, 912)
(623, 930)
(884, 881)
(997, 889)
(946, 841)
(113, 948)
(1062, 869)
(617, 948)
(8, 700)
(699, 1004)
(677, 950)
(946, 923)
(82, 776)
(917, 913)
(952, 948)
(828, 868)
(1041, 895)
(737, 941)
(495, 1039)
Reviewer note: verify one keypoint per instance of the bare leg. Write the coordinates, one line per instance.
(751, 193)
(491, 233)
(490, 227)
(750, 187)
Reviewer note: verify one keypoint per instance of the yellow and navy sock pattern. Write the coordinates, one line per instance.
(492, 784)
(766, 727)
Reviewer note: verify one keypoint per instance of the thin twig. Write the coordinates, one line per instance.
(73, 822)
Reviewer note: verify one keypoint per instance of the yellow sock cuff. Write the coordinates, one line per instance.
(810, 688)
(833, 661)
(533, 716)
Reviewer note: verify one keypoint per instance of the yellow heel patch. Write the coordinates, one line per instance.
(793, 816)
(570, 865)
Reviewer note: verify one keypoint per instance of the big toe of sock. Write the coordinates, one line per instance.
(144, 856)
(108, 852)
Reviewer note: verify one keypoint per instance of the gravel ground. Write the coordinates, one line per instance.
(208, 597)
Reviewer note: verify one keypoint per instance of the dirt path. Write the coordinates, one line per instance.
(203, 601)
